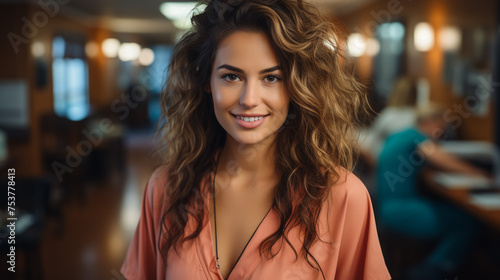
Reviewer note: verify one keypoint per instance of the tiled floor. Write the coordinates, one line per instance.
(98, 228)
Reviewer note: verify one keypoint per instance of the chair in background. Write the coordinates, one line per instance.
(58, 136)
(108, 149)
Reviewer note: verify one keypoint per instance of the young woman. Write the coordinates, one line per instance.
(257, 145)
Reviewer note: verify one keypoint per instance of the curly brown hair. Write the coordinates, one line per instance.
(317, 138)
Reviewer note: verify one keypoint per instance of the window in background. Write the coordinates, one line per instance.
(158, 75)
(389, 62)
(70, 79)
(158, 69)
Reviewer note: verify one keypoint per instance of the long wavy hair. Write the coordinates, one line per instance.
(316, 138)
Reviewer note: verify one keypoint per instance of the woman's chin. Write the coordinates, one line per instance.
(248, 139)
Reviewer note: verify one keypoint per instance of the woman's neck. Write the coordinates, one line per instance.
(254, 162)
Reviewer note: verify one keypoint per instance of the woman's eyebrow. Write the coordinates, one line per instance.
(236, 69)
(277, 67)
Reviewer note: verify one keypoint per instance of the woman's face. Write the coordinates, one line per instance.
(250, 100)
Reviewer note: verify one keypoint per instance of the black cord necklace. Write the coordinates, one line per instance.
(215, 214)
(215, 219)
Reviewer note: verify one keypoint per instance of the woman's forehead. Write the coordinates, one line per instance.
(246, 49)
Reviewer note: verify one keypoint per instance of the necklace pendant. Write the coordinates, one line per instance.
(218, 266)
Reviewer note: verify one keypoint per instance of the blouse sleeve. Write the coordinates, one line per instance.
(360, 255)
(141, 258)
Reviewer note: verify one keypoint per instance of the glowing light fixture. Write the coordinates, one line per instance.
(38, 49)
(372, 47)
(179, 13)
(91, 49)
(423, 37)
(146, 57)
(356, 44)
(129, 51)
(450, 38)
(110, 47)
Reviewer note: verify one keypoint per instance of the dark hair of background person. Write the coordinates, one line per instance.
(404, 93)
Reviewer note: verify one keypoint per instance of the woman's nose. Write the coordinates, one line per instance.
(250, 95)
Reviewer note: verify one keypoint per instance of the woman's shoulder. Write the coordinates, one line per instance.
(347, 183)
(350, 223)
(156, 186)
(348, 191)
(159, 176)
(348, 211)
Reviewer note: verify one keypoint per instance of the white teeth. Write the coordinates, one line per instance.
(250, 119)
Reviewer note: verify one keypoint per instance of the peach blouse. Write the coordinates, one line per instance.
(351, 250)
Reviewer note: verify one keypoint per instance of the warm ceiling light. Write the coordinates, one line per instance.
(146, 57)
(356, 44)
(450, 38)
(372, 47)
(110, 47)
(91, 49)
(129, 51)
(38, 49)
(423, 37)
(179, 13)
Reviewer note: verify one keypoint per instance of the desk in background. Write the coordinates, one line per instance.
(463, 196)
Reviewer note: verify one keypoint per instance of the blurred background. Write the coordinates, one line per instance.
(80, 82)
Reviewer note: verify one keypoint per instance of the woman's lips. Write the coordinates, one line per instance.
(249, 121)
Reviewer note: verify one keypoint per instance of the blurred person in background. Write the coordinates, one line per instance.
(398, 115)
(403, 210)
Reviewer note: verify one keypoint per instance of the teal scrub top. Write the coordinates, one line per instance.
(399, 165)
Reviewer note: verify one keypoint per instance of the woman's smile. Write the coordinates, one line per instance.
(249, 121)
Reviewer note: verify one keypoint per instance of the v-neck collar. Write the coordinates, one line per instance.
(206, 253)
(213, 265)
(248, 242)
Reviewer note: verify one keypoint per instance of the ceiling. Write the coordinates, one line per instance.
(148, 9)
(143, 17)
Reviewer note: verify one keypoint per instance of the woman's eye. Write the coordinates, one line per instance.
(230, 77)
(272, 79)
